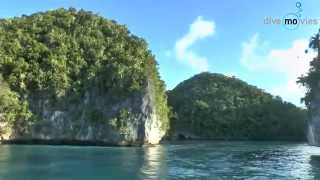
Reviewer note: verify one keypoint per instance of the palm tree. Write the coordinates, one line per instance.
(315, 42)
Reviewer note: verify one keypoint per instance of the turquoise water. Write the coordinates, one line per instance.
(205, 160)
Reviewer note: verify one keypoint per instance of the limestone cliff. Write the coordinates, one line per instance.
(132, 121)
(313, 134)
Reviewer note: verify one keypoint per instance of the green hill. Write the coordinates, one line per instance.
(83, 78)
(214, 106)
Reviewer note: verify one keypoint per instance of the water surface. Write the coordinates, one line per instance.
(205, 160)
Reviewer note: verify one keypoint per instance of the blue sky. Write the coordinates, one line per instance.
(227, 37)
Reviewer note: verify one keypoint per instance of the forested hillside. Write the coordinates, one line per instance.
(215, 106)
(82, 69)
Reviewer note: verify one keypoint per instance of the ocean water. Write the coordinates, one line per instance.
(189, 160)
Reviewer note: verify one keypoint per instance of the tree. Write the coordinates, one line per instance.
(311, 80)
(315, 42)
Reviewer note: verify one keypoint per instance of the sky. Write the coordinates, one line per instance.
(236, 38)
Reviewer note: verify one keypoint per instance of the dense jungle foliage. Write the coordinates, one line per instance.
(60, 54)
(215, 106)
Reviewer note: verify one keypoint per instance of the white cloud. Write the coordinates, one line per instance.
(291, 63)
(198, 30)
(252, 58)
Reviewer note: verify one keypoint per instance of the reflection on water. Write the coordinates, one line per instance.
(154, 165)
(211, 160)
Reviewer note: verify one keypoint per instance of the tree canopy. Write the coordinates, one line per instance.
(312, 79)
(220, 107)
(58, 55)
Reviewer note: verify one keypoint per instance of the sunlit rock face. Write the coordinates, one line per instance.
(314, 131)
(5, 130)
(314, 123)
(153, 130)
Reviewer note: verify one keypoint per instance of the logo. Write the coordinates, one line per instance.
(291, 21)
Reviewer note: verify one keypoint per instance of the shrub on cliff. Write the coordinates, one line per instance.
(12, 109)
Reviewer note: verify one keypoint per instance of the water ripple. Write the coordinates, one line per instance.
(206, 160)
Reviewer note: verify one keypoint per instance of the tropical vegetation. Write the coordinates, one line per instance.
(214, 106)
(312, 78)
(52, 59)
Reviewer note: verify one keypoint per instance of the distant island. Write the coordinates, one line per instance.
(70, 76)
(214, 106)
